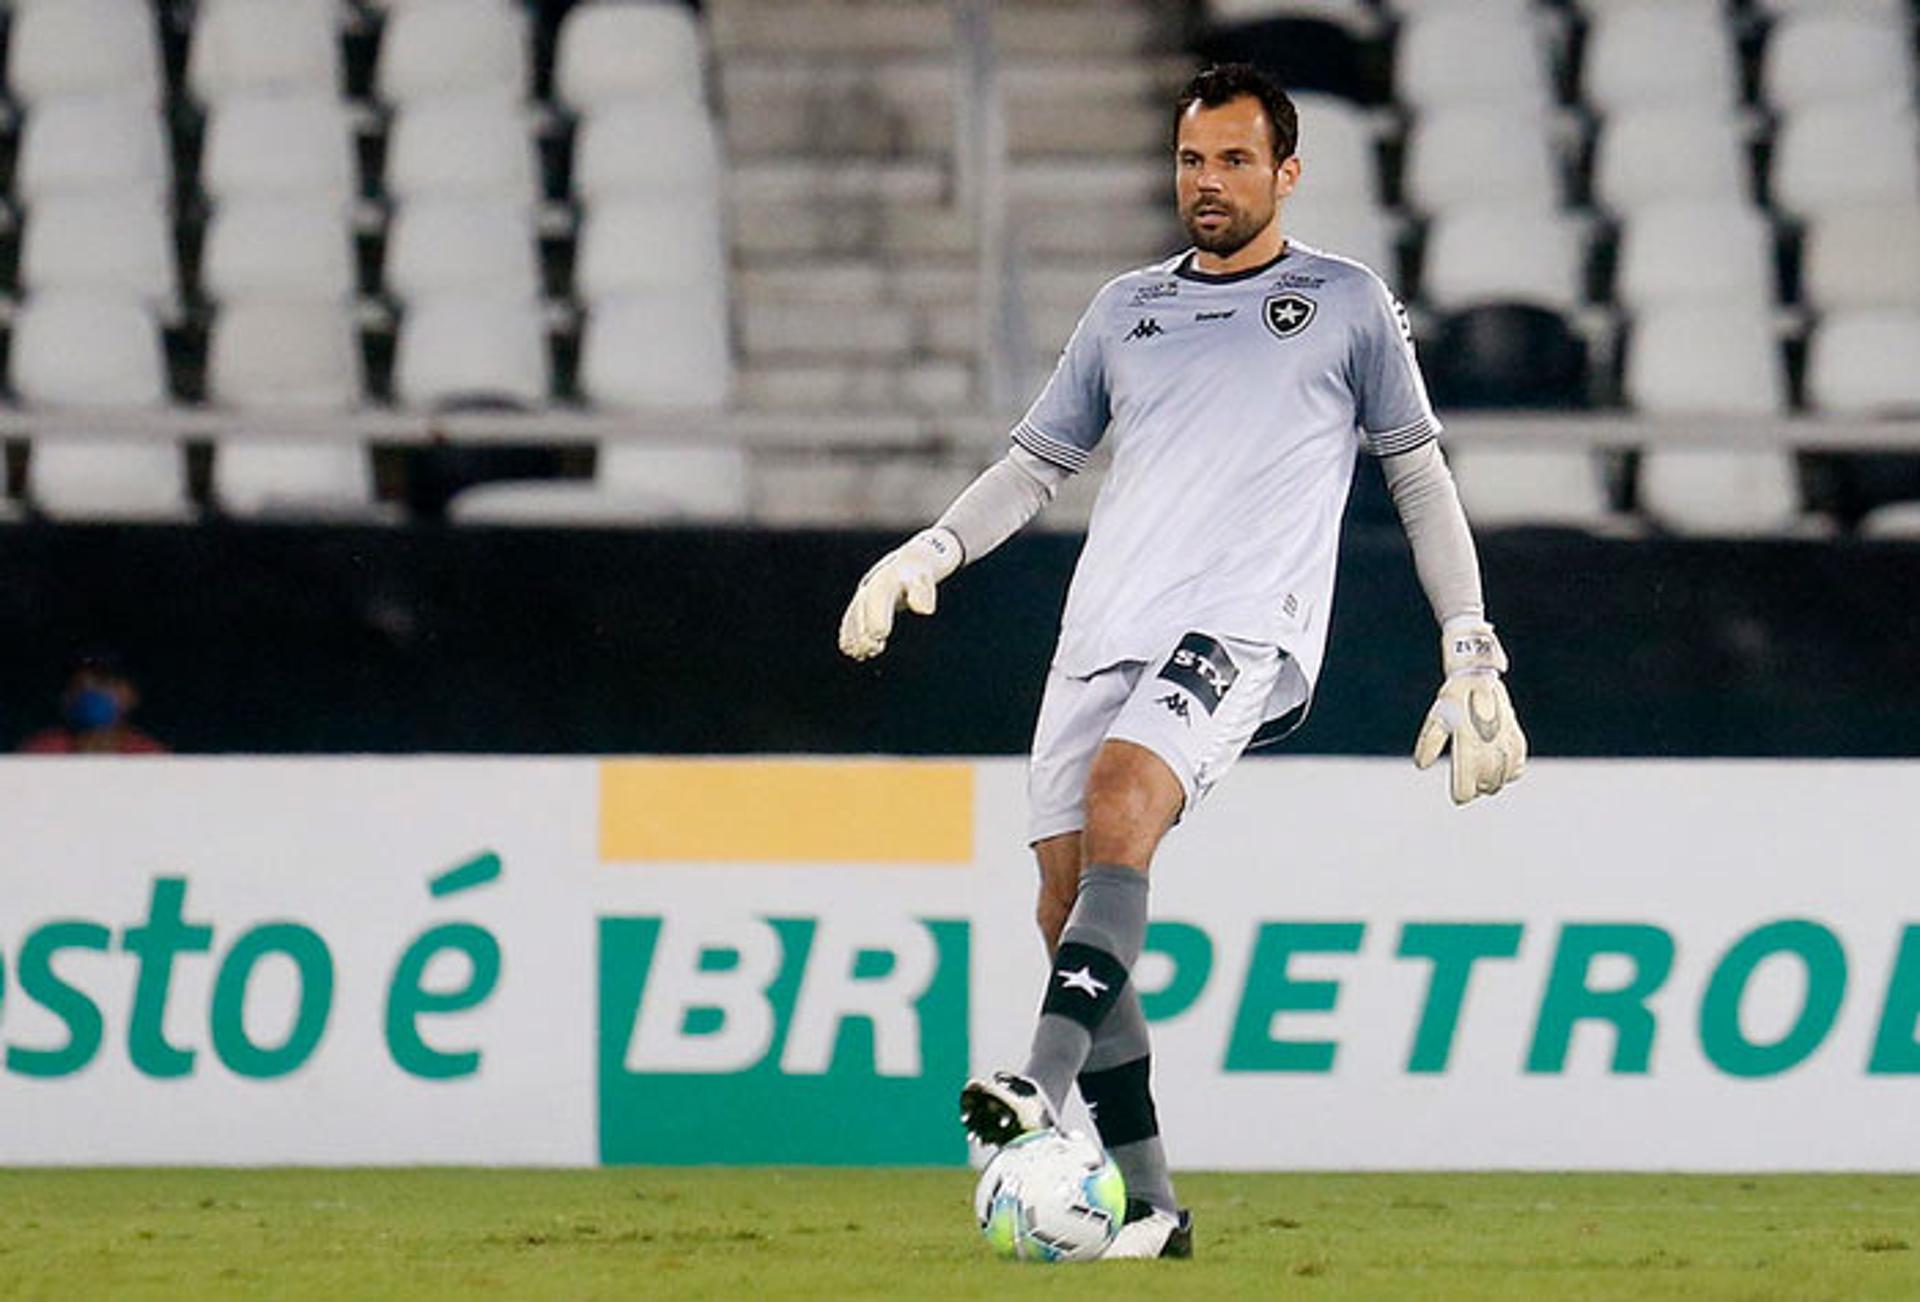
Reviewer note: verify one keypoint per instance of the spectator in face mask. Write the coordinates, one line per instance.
(93, 712)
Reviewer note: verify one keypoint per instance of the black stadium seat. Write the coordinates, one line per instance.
(1506, 355)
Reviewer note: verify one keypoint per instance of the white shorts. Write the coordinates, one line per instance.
(1197, 708)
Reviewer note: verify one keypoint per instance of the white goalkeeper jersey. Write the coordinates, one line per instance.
(1235, 405)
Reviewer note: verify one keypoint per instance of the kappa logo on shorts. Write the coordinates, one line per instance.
(1203, 667)
(1178, 704)
(1288, 314)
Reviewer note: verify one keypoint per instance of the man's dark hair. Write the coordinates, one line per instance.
(1223, 82)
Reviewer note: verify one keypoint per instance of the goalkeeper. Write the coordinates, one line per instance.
(1236, 383)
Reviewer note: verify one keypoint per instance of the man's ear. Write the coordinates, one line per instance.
(1286, 176)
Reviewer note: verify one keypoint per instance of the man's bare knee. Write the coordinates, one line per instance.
(1132, 799)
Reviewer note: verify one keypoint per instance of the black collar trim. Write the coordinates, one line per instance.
(1187, 271)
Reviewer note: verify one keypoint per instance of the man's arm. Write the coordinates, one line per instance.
(989, 511)
(1472, 710)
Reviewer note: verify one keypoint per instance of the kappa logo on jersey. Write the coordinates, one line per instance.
(1203, 667)
(1289, 313)
(1146, 329)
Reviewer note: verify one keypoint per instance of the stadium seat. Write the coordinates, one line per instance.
(1722, 492)
(1361, 231)
(1704, 361)
(286, 248)
(466, 146)
(1654, 155)
(1695, 251)
(271, 477)
(1813, 57)
(636, 482)
(280, 145)
(123, 479)
(620, 243)
(1843, 155)
(1317, 48)
(284, 354)
(611, 52)
(1486, 254)
(1336, 146)
(1874, 8)
(1863, 257)
(1506, 355)
(451, 246)
(469, 347)
(1640, 55)
(1866, 363)
(251, 46)
(661, 349)
(437, 48)
(658, 147)
(116, 244)
(1507, 487)
(79, 350)
(1479, 156)
(92, 145)
(84, 47)
(1455, 55)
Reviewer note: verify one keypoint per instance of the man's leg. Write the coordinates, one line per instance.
(1116, 1081)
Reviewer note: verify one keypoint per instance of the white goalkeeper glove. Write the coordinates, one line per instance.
(1473, 711)
(904, 577)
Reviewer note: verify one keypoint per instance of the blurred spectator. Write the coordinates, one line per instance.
(94, 712)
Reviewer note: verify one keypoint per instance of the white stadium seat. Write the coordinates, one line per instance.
(271, 247)
(1863, 257)
(1843, 155)
(84, 47)
(1351, 14)
(280, 145)
(1812, 57)
(79, 350)
(1337, 151)
(661, 349)
(1866, 363)
(1649, 53)
(1503, 255)
(468, 146)
(463, 347)
(1873, 8)
(443, 246)
(1654, 155)
(1478, 155)
(293, 479)
(1726, 492)
(122, 479)
(438, 48)
(1361, 231)
(116, 244)
(249, 46)
(1696, 251)
(646, 147)
(1504, 487)
(1705, 361)
(284, 354)
(645, 243)
(1455, 55)
(91, 145)
(610, 52)
(636, 482)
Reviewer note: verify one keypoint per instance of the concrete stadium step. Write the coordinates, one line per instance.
(900, 491)
(921, 386)
(925, 181)
(1124, 234)
(1089, 28)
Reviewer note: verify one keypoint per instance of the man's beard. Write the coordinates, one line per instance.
(1228, 240)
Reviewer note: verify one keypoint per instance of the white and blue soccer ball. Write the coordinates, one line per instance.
(1050, 1196)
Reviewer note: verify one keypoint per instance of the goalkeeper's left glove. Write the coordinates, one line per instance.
(905, 578)
(1472, 710)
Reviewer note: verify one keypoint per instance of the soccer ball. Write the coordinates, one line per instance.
(1050, 1196)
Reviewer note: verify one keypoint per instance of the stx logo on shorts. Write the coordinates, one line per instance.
(1203, 667)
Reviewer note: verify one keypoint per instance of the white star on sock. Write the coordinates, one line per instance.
(1084, 981)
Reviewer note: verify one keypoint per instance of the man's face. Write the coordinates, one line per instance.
(1225, 176)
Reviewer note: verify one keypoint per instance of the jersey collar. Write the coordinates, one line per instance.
(1187, 271)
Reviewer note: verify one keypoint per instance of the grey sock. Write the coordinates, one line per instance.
(1098, 947)
(1115, 1085)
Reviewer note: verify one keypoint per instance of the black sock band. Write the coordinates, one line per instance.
(1121, 1102)
(1084, 984)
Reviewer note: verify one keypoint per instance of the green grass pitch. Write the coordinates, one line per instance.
(780, 1233)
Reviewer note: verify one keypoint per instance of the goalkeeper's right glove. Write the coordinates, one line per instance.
(1473, 711)
(905, 576)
